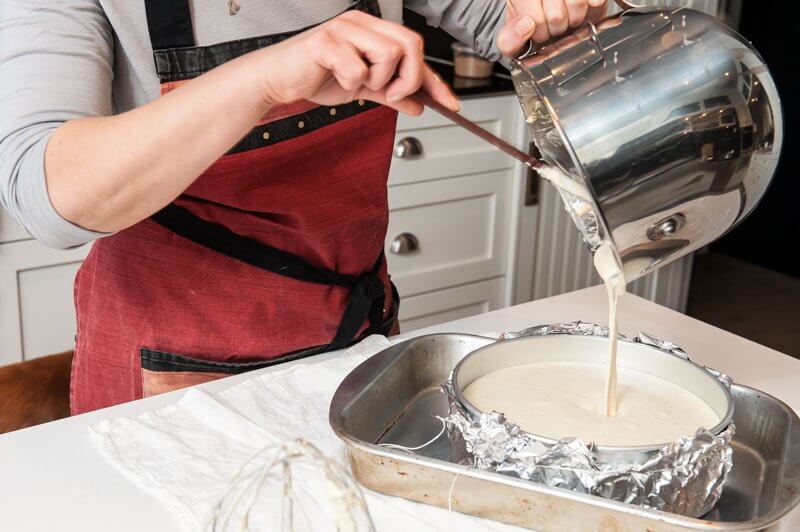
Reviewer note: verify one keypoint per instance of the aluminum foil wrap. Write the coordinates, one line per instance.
(576, 328)
(684, 477)
(584, 217)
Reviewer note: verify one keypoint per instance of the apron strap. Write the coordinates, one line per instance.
(367, 295)
(222, 240)
(169, 23)
(366, 300)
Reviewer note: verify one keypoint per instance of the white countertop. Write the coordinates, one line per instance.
(52, 477)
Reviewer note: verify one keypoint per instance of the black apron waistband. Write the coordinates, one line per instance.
(367, 294)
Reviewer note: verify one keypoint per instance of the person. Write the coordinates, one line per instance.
(229, 160)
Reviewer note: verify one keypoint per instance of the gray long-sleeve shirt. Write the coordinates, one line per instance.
(66, 59)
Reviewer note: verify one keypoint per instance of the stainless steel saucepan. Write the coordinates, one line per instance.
(671, 119)
(669, 116)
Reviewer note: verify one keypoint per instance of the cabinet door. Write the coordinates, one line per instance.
(37, 315)
(450, 304)
(431, 147)
(459, 228)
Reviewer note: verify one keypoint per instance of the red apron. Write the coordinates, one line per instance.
(274, 253)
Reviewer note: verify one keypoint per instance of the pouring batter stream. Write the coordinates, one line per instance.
(610, 271)
(607, 266)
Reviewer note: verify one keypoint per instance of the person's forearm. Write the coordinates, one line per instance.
(108, 173)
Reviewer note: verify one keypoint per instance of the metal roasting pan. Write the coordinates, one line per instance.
(393, 397)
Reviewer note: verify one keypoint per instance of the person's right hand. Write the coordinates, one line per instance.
(541, 20)
(353, 56)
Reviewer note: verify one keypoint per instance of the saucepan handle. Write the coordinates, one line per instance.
(533, 48)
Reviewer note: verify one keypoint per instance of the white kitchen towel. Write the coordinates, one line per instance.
(188, 452)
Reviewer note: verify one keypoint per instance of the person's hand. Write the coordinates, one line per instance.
(353, 56)
(541, 20)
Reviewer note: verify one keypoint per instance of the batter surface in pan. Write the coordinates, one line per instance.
(566, 399)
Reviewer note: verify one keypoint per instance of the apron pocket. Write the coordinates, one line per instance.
(163, 372)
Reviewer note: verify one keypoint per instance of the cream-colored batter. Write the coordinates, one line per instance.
(563, 181)
(561, 399)
(610, 271)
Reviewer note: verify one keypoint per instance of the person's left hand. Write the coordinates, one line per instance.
(541, 20)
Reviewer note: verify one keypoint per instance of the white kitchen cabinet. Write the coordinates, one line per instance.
(455, 206)
(444, 149)
(37, 315)
(459, 200)
(450, 304)
(459, 228)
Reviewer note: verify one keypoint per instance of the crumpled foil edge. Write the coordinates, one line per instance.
(585, 218)
(684, 477)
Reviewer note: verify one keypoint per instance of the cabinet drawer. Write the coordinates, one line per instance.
(450, 304)
(460, 227)
(448, 150)
(37, 315)
(9, 229)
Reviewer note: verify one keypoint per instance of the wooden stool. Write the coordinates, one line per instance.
(35, 391)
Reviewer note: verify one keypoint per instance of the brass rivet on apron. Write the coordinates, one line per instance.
(301, 124)
(266, 135)
(332, 111)
(361, 102)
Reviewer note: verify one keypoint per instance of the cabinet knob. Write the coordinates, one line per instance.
(408, 148)
(403, 244)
